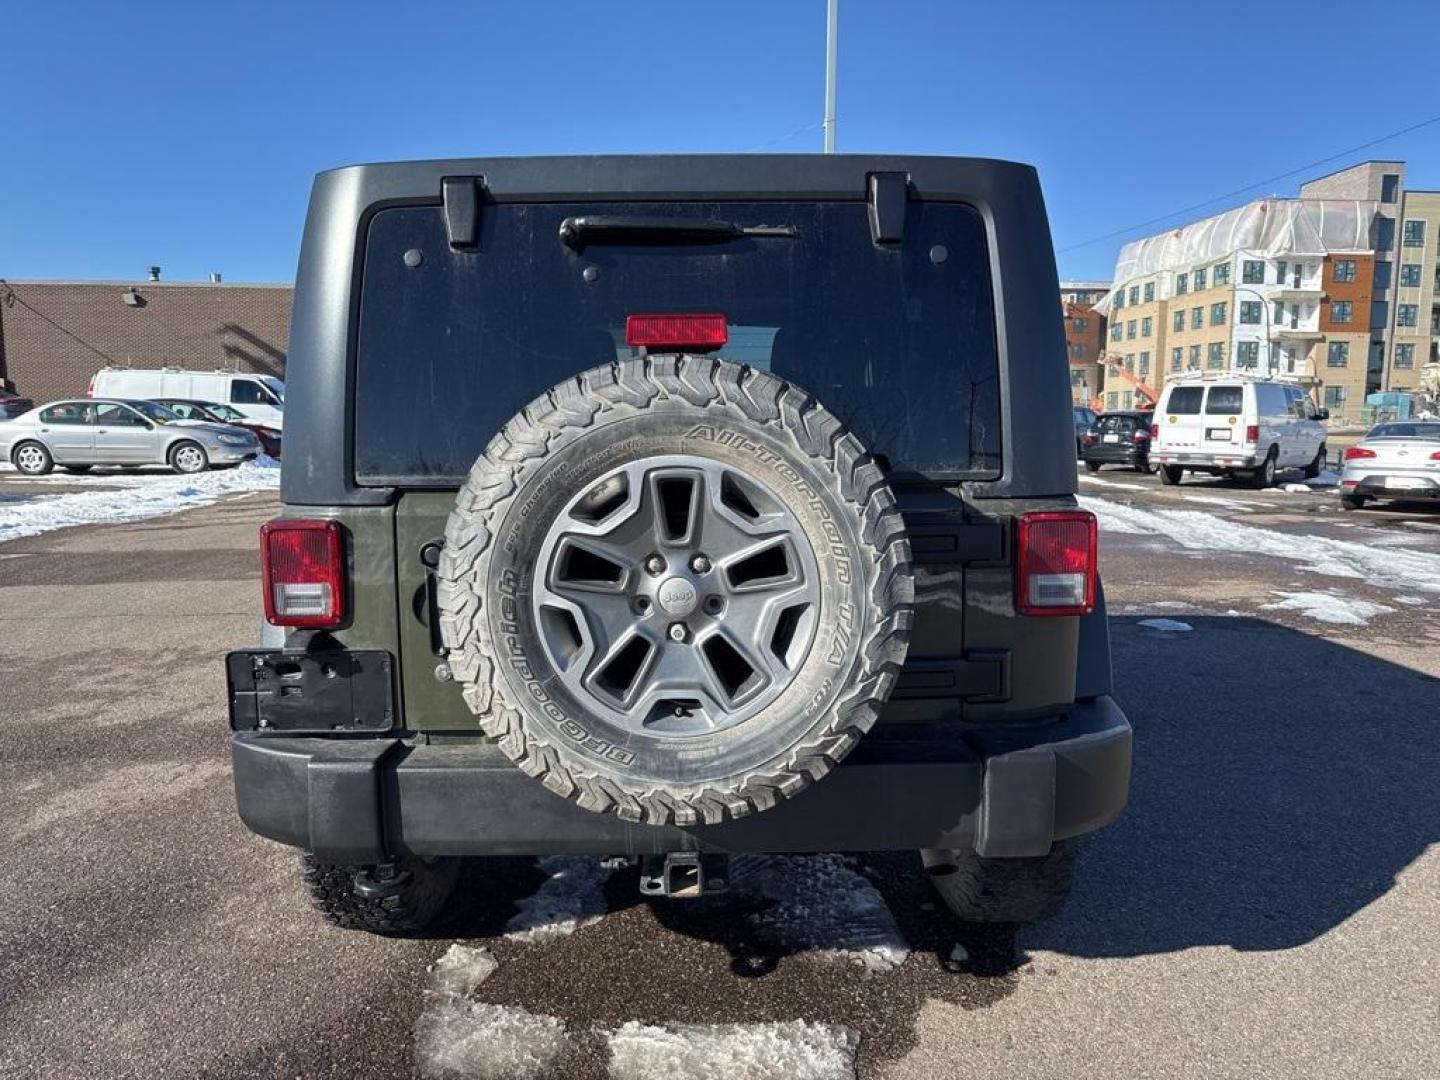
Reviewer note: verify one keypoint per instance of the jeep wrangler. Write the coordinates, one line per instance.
(671, 508)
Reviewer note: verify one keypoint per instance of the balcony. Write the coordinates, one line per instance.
(1298, 291)
(1294, 333)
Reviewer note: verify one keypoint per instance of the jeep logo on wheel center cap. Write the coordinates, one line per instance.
(677, 596)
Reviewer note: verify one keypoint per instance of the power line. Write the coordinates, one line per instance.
(1251, 187)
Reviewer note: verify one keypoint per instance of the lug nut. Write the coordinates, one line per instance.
(677, 631)
(655, 564)
(700, 564)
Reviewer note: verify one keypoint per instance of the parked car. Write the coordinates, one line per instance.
(12, 405)
(1398, 460)
(1238, 426)
(260, 397)
(215, 412)
(77, 435)
(1084, 421)
(657, 597)
(1118, 438)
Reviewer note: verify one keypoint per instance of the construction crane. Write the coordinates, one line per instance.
(1116, 365)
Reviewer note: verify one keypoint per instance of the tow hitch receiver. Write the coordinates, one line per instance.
(683, 874)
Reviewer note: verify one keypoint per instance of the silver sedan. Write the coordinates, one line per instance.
(79, 434)
(1398, 460)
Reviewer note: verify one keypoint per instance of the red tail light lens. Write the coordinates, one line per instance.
(1141, 435)
(1435, 456)
(1088, 437)
(1055, 562)
(1154, 431)
(1252, 433)
(676, 332)
(1353, 452)
(302, 564)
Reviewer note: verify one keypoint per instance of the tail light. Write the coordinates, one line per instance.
(302, 565)
(1252, 433)
(1354, 452)
(1141, 435)
(1088, 437)
(676, 332)
(1055, 563)
(1435, 456)
(90, 390)
(1154, 431)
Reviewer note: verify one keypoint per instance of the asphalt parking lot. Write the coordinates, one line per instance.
(1266, 906)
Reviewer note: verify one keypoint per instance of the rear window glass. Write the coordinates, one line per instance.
(1116, 424)
(1185, 400)
(1405, 431)
(1225, 400)
(898, 342)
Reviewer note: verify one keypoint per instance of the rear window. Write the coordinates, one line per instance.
(1185, 400)
(1111, 425)
(1225, 400)
(899, 342)
(1405, 431)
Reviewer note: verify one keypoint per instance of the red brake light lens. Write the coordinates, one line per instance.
(1353, 452)
(1056, 562)
(302, 565)
(1154, 431)
(674, 333)
(1435, 456)
(1252, 433)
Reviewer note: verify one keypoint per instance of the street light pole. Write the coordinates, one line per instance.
(1269, 343)
(832, 53)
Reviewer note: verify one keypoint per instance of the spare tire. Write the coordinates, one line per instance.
(676, 589)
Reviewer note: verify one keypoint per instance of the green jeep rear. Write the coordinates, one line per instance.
(673, 508)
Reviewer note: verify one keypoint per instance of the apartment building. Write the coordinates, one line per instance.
(1415, 331)
(1084, 335)
(1134, 342)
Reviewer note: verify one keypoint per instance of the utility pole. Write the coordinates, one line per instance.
(832, 52)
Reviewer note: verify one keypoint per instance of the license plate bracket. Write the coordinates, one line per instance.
(325, 691)
(1218, 434)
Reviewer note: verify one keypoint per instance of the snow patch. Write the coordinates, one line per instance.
(1330, 607)
(461, 970)
(1112, 483)
(817, 904)
(1413, 601)
(1216, 500)
(1296, 489)
(1392, 568)
(795, 1050)
(156, 496)
(1166, 626)
(572, 896)
(455, 1037)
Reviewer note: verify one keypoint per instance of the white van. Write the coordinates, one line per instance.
(1236, 425)
(260, 397)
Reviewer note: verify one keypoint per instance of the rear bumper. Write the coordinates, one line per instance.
(1006, 792)
(1206, 460)
(1116, 455)
(1397, 484)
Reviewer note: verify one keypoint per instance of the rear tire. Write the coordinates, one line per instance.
(1003, 890)
(415, 890)
(1170, 474)
(189, 457)
(1264, 476)
(32, 459)
(1352, 502)
(1316, 467)
(1093, 466)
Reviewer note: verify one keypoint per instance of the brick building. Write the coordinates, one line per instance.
(54, 335)
(1084, 335)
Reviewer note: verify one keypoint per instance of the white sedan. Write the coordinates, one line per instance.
(79, 434)
(1398, 460)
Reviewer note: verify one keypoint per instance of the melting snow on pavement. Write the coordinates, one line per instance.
(1330, 607)
(797, 1050)
(1391, 568)
(132, 498)
(573, 894)
(1166, 626)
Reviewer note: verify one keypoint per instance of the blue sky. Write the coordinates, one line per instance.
(186, 134)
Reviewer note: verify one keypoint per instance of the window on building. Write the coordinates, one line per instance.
(1117, 332)
(1280, 268)
(1389, 187)
(1127, 399)
(1130, 330)
(1129, 361)
(1199, 279)
(1182, 284)
(1177, 359)
(1247, 355)
(1112, 400)
(1405, 356)
(1414, 232)
(1344, 269)
(1337, 354)
(1382, 274)
(1080, 324)
(1279, 312)
(1149, 291)
(1146, 325)
(1179, 320)
(1250, 311)
(1340, 311)
(1119, 299)
(1216, 356)
(1197, 318)
(1384, 232)
(1194, 364)
(1217, 314)
(1221, 274)
(1335, 397)
(1406, 314)
(1376, 364)
(1410, 275)
(1252, 272)
(1144, 368)
(1379, 314)
(1134, 295)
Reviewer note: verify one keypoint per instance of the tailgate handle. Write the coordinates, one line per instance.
(887, 196)
(461, 195)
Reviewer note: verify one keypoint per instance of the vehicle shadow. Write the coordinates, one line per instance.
(1281, 783)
